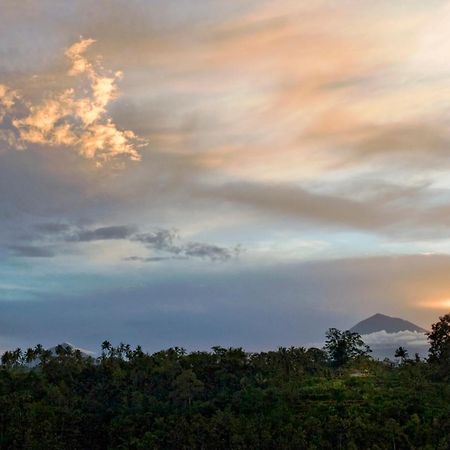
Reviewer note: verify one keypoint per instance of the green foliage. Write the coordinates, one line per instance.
(292, 398)
(439, 353)
(401, 353)
(344, 346)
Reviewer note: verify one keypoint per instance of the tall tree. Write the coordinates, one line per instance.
(344, 346)
(401, 353)
(439, 338)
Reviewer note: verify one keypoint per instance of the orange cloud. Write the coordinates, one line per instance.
(8, 98)
(75, 53)
(76, 118)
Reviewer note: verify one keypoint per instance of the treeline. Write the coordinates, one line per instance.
(293, 398)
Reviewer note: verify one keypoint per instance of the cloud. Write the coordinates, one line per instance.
(212, 252)
(165, 241)
(191, 250)
(8, 98)
(404, 138)
(152, 258)
(52, 227)
(415, 211)
(402, 338)
(79, 63)
(76, 117)
(101, 234)
(384, 344)
(159, 239)
(295, 201)
(31, 251)
(412, 144)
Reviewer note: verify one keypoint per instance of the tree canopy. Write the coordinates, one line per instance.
(290, 398)
(344, 346)
(439, 338)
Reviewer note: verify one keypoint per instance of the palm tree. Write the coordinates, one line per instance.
(7, 359)
(17, 356)
(106, 347)
(30, 355)
(401, 353)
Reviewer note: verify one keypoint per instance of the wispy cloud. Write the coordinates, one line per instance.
(150, 259)
(208, 251)
(164, 244)
(52, 227)
(101, 234)
(159, 239)
(31, 251)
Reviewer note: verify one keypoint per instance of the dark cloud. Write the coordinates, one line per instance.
(411, 144)
(406, 212)
(408, 144)
(102, 234)
(31, 251)
(153, 258)
(159, 239)
(52, 227)
(296, 201)
(212, 252)
(408, 138)
(191, 250)
(165, 241)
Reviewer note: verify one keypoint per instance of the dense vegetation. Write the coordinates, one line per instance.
(295, 398)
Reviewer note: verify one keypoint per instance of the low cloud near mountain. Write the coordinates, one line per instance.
(383, 344)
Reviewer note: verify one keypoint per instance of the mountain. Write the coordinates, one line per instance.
(380, 322)
(384, 334)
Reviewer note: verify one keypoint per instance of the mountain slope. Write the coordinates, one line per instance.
(379, 322)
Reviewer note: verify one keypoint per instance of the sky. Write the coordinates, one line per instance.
(245, 173)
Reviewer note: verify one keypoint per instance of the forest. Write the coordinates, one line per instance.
(336, 397)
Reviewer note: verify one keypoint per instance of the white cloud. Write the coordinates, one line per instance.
(401, 338)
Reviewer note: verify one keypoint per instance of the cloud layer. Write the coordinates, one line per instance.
(408, 339)
(50, 239)
(384, 345)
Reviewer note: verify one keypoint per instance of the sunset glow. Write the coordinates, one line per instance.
(436, 304)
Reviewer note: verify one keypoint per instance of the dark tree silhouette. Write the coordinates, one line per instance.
(401, 353)
(439, 352)
(344, 346)
(288, 399)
